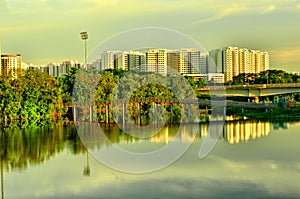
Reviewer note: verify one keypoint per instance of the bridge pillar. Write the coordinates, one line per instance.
(171, 114)
(139, 118)
(155, 117)
(189, 112)
(106, 114)
(74, 114)
(91, 113)
(206, 113)
(123, 113)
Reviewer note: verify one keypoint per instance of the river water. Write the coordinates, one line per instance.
(251, 160)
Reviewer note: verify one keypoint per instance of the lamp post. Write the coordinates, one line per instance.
(84, 37)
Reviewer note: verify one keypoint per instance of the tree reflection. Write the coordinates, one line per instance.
(33, 146)
(20, 148)
(2, 179)
(87, 168)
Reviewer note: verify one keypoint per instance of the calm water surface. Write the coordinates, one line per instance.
(251, 160)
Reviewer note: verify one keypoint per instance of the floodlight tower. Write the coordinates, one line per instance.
(84, 37)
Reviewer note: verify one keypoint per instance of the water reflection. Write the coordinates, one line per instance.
(87, 168)
(24, 149)
(33, 146)
(19, 148)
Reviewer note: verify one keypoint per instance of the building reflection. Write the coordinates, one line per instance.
(233, 132)
(21, 148)
(18, 149)
(243, 131)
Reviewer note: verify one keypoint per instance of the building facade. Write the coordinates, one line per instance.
(236, 61)
(10, 64)
(156, 61)
(192, 61)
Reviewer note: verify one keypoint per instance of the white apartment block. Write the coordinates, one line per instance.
(236, 61)
(191, 60)
(58, 70)
(209, 77)
(156, 61)
(108, 59)
(130, 60)
(215, 61)
(97, 64)
(10, 64)
(173, 61)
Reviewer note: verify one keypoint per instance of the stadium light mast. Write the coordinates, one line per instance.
(84, 37)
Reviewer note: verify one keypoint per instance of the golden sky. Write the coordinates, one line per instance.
(45, 31)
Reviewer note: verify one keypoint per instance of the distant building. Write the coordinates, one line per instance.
(10, 64)
(108, 59)
(233, 61)
(44, 69)
(130, 60)
(244, 60)
(97, 64)
(209, 77)
(265, 59)
(215, 61)
(65, 66)
(203, 64)
(156, 61)
(58, 70)
(173, 61)
(190, 61)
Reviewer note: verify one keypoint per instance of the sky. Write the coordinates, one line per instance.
(45, 31)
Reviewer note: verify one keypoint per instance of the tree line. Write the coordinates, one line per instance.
(267, 77)
(38, 99)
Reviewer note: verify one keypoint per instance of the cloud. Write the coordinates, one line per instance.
(234, 9)
(102, 2)
(227, 163)
(286, 54)
(269, 9)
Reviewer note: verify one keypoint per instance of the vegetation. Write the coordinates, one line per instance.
(37, 99)
(282, 113)
(266, 77)
(29, 100)
(114, 86)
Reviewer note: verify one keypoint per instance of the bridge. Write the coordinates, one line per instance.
(251, 91)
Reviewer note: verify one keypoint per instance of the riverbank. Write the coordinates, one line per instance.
(282, 113)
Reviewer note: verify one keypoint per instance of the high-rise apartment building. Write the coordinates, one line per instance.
(265, 61)
(257, 61)
(235, 56)
(228, 63)
(97, 64)
(192, 61)
(244, 60)
(130, 60)
(156, 61)
(215, 61)
(58, 70)
(236, 61)
(173, 61)
(53, 69)
(10, 64)
(252, 61)
(108, 59)
(203, 64)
